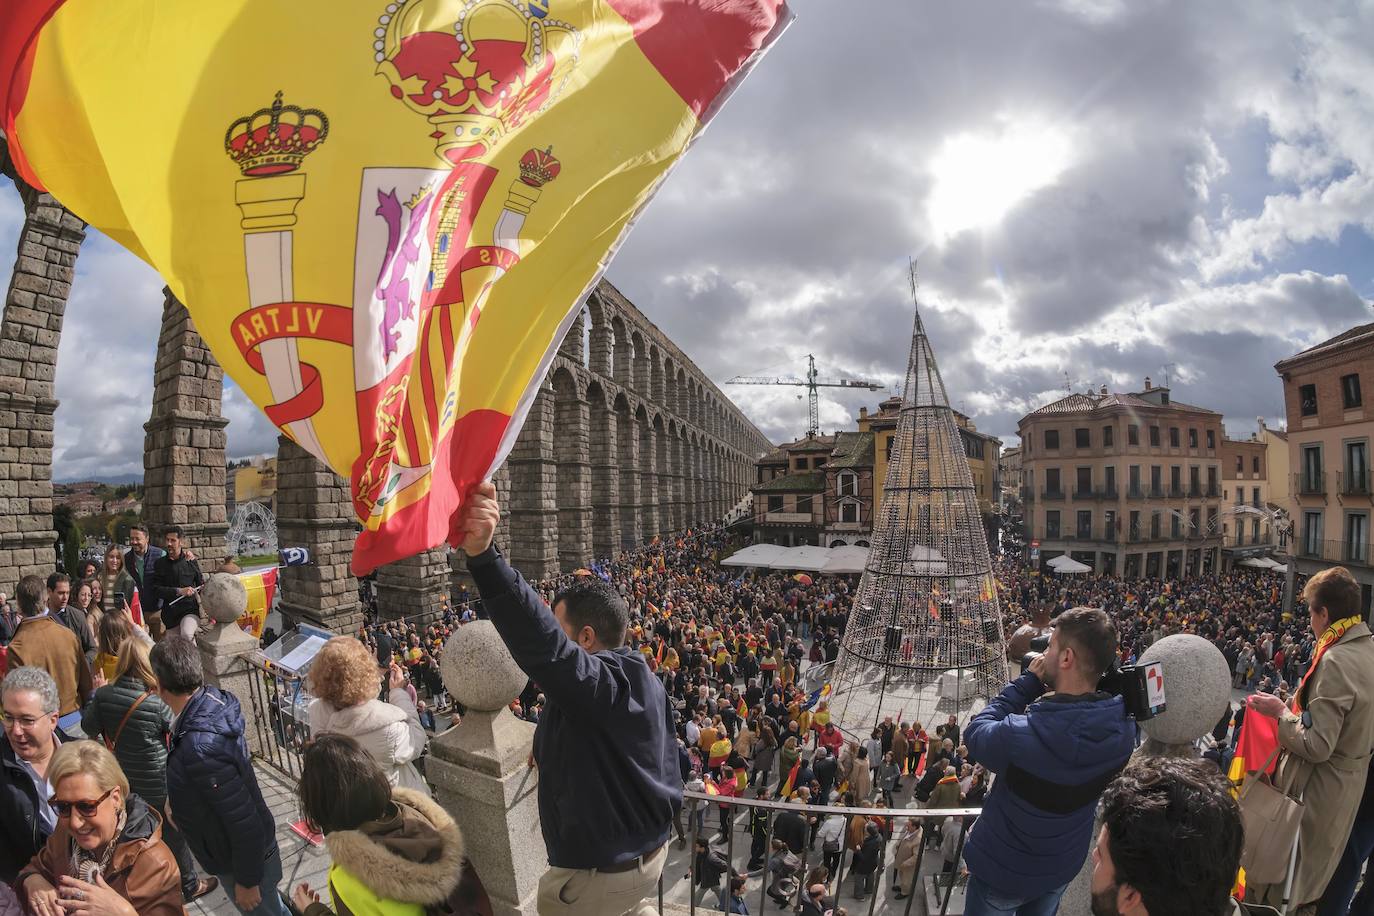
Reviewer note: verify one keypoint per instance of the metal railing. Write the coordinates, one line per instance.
(1353, 483)
(694, 802)
(1052, 494)
(280, 716)
(1335, 551)
(1310, 483)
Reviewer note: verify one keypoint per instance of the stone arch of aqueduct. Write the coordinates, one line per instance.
(626, 440)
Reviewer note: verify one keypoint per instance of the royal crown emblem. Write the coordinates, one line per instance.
(476, 69)
(275, 140)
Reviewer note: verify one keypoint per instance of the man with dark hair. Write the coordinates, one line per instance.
(1170, 842)
(42, 641)
(1054, 753)
(212, 791)
(592, 602)
(609, 782)
(1326, 734)
(74, 619)
(139, 562)
(176, 581)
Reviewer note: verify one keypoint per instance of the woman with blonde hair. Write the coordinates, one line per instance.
(345, 681)
(106, 855)
(129, 716)
(114, 579)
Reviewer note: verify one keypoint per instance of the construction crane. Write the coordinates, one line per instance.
(810, 383)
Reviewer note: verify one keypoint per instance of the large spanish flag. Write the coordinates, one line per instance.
(383, 215)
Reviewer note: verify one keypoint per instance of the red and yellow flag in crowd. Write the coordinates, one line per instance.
(261, 586)
(383, 215)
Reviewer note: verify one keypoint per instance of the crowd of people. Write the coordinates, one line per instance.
(729, 651)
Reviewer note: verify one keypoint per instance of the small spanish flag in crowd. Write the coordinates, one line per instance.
(742, 709)
(791, 782)
(720, 751)
(261, 587)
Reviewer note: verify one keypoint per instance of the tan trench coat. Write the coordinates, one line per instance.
(1328, 762)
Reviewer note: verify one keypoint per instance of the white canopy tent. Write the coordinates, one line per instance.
(846, 560)
(1066, 565)
(1282, 568)
(1257, 563)
(809, 559)
(754, 555)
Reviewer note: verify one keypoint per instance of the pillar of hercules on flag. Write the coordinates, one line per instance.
(924, 638)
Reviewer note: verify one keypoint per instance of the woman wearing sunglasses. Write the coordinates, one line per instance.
(106, 857)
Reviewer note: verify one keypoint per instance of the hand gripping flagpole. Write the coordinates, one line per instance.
(270, 146)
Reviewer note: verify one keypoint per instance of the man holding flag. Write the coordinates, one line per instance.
(1326, 735)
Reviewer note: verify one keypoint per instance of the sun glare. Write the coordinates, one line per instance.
(980, 177)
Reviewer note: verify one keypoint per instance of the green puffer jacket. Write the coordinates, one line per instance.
(142, 747)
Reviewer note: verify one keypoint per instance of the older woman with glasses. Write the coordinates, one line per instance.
(106, 857)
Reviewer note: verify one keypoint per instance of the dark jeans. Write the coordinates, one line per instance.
(186, 863)
(757, 850)
(1341, 887)
(272, 904)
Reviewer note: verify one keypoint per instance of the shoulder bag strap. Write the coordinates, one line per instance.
(111, 742)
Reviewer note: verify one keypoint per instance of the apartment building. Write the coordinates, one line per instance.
(983, 452)
(1244, 494)
(1128, 483)
(1329, 433)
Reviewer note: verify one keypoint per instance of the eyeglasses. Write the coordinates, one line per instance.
(23, 723)
(84, 808)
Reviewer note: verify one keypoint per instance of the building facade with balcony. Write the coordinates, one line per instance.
(1329, 435)
(1245, 492)
(789, 493)
(849, 491)
(983, 453)
(1128, 483)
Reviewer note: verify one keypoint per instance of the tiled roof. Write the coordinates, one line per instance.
(810, 482)
(852, 450)
(808, 443)
(1075, 403)
(776, 456)
(1348, 336)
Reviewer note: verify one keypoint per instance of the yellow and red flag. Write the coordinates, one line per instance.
(1259, 737)
(261, 587)
(791, 781)
(384, 228)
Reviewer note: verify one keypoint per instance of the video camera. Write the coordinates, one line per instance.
(1141, 687)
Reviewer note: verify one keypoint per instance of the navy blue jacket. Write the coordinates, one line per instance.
(142, 571)
(214, 794)
(1025, 849)
(609, 783)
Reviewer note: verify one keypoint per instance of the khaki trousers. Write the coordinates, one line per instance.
(588, 892)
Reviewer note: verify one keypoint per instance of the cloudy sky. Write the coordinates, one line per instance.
(1096, 191)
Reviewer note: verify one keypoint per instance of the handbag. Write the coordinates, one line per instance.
(1271, 820)
(111, 742)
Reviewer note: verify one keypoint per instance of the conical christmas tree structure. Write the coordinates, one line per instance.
(924, 638)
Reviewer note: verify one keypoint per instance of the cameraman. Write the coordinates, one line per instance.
(1037, 822)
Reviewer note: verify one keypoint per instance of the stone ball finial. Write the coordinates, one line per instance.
(1197, 687)
(478, 670)
(224, 598)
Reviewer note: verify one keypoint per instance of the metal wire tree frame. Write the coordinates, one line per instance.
(924, 637)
